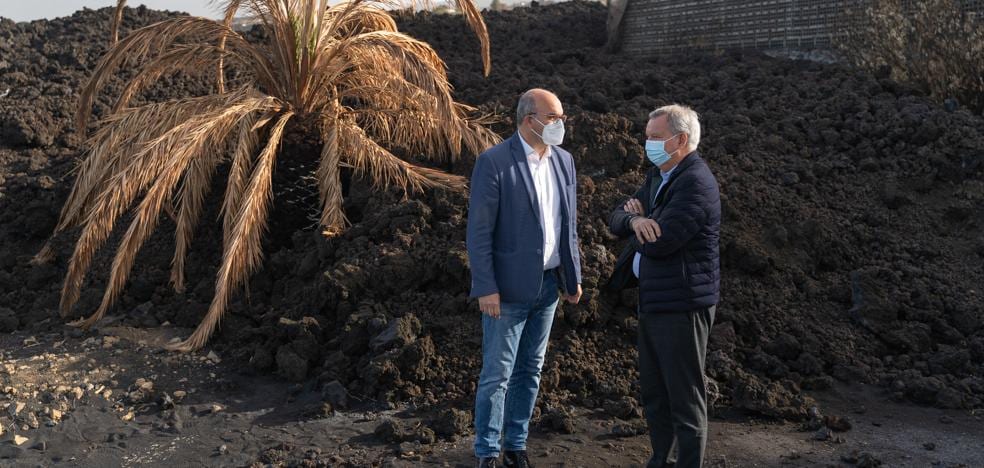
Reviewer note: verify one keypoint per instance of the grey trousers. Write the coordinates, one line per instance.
(672, 347)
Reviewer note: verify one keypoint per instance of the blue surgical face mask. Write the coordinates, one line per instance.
(656, 151)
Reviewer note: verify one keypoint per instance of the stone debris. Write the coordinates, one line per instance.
(15, 408)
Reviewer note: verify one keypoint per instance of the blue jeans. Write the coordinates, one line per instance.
(513, 347)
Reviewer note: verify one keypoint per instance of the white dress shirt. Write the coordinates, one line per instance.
(662, 183)
(548, 194)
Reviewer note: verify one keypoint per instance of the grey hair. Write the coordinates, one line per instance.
(526, 106)
(681, 119)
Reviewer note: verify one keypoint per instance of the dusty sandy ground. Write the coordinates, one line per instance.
(79, 401)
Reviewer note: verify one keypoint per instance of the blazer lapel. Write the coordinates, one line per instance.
(524, 168)
(561, 182)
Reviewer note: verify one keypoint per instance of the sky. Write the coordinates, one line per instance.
(27, 10)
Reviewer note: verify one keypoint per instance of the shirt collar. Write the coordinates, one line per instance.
(531, 154)
(666, 175)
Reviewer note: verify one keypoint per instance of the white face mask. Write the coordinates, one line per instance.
(553, 133)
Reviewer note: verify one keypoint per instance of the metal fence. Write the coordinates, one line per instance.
(651, 27)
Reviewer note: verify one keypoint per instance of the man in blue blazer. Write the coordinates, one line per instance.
(522, 247)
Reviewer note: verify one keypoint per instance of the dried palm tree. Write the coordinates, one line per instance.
(344, 72)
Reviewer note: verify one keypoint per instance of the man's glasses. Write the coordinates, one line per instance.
(551, 118)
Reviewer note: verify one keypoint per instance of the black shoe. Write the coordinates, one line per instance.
(488, 462)
(517, 459)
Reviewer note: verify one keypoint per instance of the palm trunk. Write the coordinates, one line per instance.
(296, 205)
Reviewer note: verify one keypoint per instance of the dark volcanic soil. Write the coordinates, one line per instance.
(115, 398)
(852, 246)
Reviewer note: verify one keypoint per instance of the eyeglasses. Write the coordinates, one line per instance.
(664, 140)
(551, 118)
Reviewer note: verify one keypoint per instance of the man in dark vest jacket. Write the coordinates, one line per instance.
(673, 224)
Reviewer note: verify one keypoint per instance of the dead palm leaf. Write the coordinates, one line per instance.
(344, 70)
(230, 11)
(117, 20)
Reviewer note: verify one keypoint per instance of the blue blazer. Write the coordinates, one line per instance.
(505, 240)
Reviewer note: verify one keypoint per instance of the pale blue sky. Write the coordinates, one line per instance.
(27, 10)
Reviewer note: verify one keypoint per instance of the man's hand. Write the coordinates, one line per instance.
(646, 230)
(633, 206)
(574, 298)
(489, 305)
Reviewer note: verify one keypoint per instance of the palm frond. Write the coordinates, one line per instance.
(384, 169)
(160, 160)
(475, 130)
(242, 254)
(394, 72)
(474, 18)
(183, 152)
(191, 59)
(330, 185)
(111, 149)
(230, 14)
(242, 163)
(158, 38)
(195, 186)
(114, 34)
(344, 22)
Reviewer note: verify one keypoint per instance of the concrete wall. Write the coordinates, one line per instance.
(650, 27)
